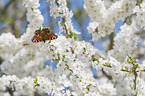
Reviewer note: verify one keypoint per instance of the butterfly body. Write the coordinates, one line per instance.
(42, 35)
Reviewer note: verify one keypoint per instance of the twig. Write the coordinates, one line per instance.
(108, 76)
(111, 41)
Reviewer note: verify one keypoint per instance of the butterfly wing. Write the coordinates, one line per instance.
(45, 32)
(51, 36)
(37, 37)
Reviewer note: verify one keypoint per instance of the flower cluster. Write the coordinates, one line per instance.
(140, 14)
(8, 45)
(92, 28)
(124, 42)
(95, 9)
(127, 76)
(59, 8)
(25, 59)
(113, 68)
(29, 86)
(107, 17)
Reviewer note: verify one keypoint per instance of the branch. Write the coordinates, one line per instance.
(108, 76)
(111, 41)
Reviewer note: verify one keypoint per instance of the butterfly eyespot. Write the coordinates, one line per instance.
(34, 40)
(54, 37)
(36, 34)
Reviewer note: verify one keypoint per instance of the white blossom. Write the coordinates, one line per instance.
(60, 10)
(124, 42)
(140, 14)
(8, 45)
(107, 17)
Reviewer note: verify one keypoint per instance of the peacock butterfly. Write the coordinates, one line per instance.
(42, 35)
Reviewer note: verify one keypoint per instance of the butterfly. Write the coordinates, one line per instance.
(42, 35)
